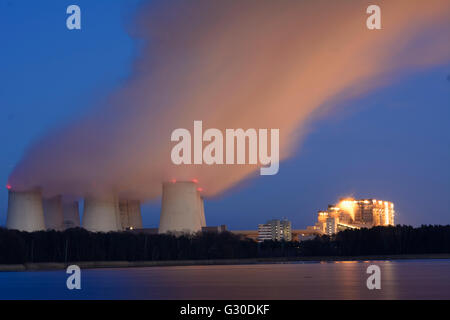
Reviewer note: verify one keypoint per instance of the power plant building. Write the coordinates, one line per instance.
(350, 214)
(374, 212)
(331, 225)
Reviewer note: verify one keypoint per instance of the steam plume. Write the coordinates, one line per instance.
(232, 64)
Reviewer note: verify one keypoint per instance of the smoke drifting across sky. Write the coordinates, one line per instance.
(232, 64)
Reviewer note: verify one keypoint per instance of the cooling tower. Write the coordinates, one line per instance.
(130, 214)
(53, 213)
(71, 214)
(181, 208)
(25, 211)
(202, 212)
(101, 214)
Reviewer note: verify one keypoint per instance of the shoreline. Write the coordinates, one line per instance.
(47, 266)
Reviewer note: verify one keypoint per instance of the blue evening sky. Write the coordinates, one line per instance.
(392, 144)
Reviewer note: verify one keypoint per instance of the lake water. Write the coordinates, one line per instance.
(401, 279)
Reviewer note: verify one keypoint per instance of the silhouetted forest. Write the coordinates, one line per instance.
(80, 245)
(381, 241)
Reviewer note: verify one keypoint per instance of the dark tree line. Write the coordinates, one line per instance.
(80, 245)
(426, 239)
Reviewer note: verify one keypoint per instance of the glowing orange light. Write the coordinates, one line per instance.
(199, 189)
(173, 180)
(348, 205)
(194, 180)
(386, 214)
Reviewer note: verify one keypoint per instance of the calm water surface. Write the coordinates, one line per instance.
(408, 279)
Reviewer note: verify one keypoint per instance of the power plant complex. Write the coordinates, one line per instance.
(350, 213)
(182, 211)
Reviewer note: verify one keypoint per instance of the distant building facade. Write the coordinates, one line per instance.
(277, 230)
(331, 225)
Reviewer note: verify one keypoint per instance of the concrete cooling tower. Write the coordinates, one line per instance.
(25, 211)
(181, 208)
(202, 212)
(101, 214)
(130, 214)
(53, 213)
(71, 214)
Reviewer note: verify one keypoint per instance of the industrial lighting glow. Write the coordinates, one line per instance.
(352, 213)
(194, 180)
(386, 214)
(348, 206)
(8, 186)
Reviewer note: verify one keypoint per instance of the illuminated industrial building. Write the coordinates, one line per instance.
(331, 225)
(350, 214)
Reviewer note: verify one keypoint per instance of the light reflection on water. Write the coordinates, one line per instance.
(400, 279)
